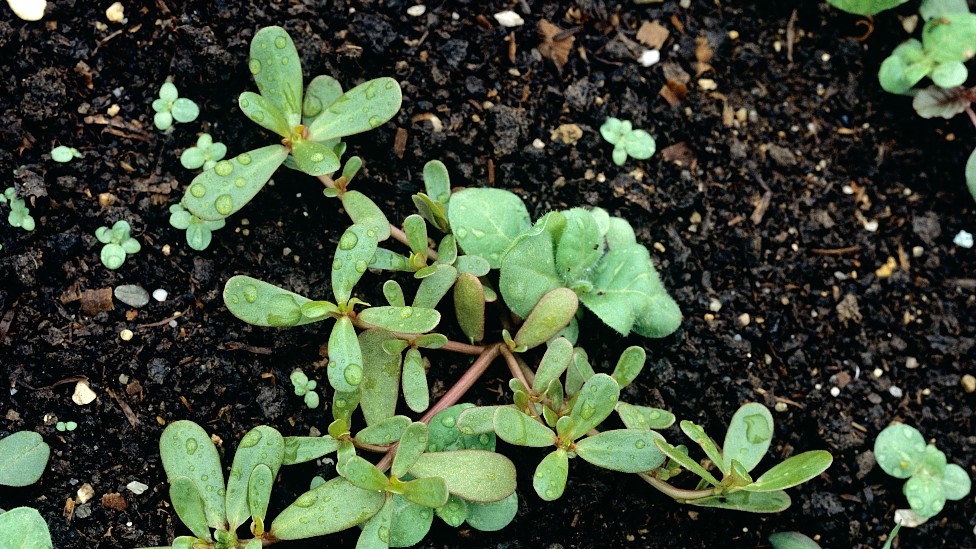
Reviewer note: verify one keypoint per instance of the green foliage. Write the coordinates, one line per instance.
(204, 154)
(19, 215)
(199, 232)
(23, 457)
(305, 388)
(901, 452)
(627, 141)
(64, 154)
(792, 540)
(865, 7)
(117, 244)
(24, 528)
(171, 107)
(66, 426)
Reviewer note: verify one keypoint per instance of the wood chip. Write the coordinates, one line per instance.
(679, 153)
(115, 501)
(653, 35)
(704, 54)
(552, 49)
(96, 301)
(400, 142)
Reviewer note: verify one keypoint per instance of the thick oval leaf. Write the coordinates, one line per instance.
(314, 158)
(429, 492)
(550, 476)
(493, 516)
(434, 287)
(259, 492)
(408, 320)
(644, 417)
(264, 113)
(434, 212)
(23, 457)
(437, 182)
(478, 420)
(389, 261)
(684, 460)
(321, 92)
(579, 371)
(415, 390)
(474, 475)
(629, 365)
(950, 38)
(261, 446)
(624, 450)
(228, 186)
(415, 228)
(486, 221)
(473, 264)
(411, 522)
(579, 247)
(393, 293)
(956, 483)
(302, 449)
(376, 532)
(345, 357)
(262, 304)
(24, 528)
(557, 358)
(187, 452)
(528, 270)
(381, 376)
(469, 305)
(277, 71)
(792, 540)
(971, 174)
(900, 450)
(865, 7)
(189, 506)
(363, 108)
(925, 495)
(445, 434)
(332, 507)
(412, 444)
(794, 470)
(596, 400)
(748, 437)
(515, 427)
(363, 211)
(387, 431)
(752, 502)
(447, 251)
(356, 249)
(697, 434)
(550, 315)
(454, 511)
(364, 474)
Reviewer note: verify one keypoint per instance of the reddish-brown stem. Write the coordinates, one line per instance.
(680, 494)
(454, 346)
(327, 181)
(513, 366)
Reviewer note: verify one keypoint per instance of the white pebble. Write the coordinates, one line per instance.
(896, 391)
(650, 58)
(172, 323)
(538, 144)
(83, 393)
(714, 305)
(963, 239)
(509, 18)
(136, 487)
(871, 226)
(160, 295)
(115, 13)
(28, 10)
(416, 11)
(835, 391)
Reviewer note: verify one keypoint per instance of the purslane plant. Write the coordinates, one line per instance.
(199, 233)
(171, 107)
(23, 457)
(117, 244)
(19, 215)
(204, 154)
(305, 388)
(627, 141)
(64, 154)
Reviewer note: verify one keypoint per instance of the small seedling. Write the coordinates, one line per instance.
(118, 243)
(204, 154)
(66, 426)
(170, 106)
(305, 387)
(199, 233)
(64, 154)
(19, 215)
(627, 141)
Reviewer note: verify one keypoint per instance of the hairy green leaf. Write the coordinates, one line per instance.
(261, 446)
(550, 315)
(794, 470)
(748, 437)
(225, 189)
(188, 453)
(792, 540)
(408, 320)
(865, 7)
(363, 108)
(277, 71)
(624, 450)
(363, 211)
(950, 38)
(528, 270)
(486, 221)
(515, 427)
(23, 457)
(579, 247)
(550, 475)
(474, 475)
(321, 513)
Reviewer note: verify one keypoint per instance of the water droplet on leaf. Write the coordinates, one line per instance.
(224, 204)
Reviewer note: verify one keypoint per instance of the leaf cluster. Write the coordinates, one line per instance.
(199, 232)
(204, 154)
(627, 141)
(171, 107)
(64, 154)
(305, 388)
(118, 243)
(19, 215)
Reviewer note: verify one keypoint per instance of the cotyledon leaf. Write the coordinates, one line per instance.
(357, 246)
(187, 452)
(314, 158)
(24, 528)
(360, 109)
(264, 113)
(345, 357)
(363, 211)
(23, 457)
(221, 191)
(332, 507)
(321, 92)
(277, 70)
(410, 320)
(262, 304)
(261, 445)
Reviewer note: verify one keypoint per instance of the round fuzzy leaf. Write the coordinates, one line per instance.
(435, 286)
(415, 390)
(579, 247)
(411, 522)
(528, 270)
(950, 38)
(262, 304)
(752, 502)
(163, 121)
(949, 75)
(557, 358)
(24, 528)
(192, 158)
(865, 7)
(437, 182)
(429, 492)
(956, 483)
(550, 476)
(315, 513)
(925, 494)
(900, 450)
(629, 365)
(624, 450)
(408, 320)
(363, 108)
(386, 431)
(314, 158)
(469, 306)
(473, 475)
(356, 248)
(345, 357)
(302, 449)
(262, 446)
(493, 516)
(644, 417)
(23, 457)
(793, 471)
(185, 110)
(376, 532)
(515, 427)
(792, 540)
(363, 211)
(412, 444)
(264, 113)
(595, 401)
(225, 189)
(640, 145)
(550, 315)
(112, 256)
(381, 377)
(486, 221)
(188, 453)
(321, 92)
(277, 71)
(748, 437)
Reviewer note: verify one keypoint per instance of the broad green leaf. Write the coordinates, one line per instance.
(321, 92)
(437, 182)
(363, 211)
(899, 450)
(189, 506)
(363, 108)
(221, 191)
(515, 427)
(24, 528)
(579, 247)
(343, 405)
(949, 75)
(579, 371)
(413, 443)
(393, 293)
(376, 532)
(314, 158)
(447, 250)
(697, 434)
(411, 522)
(865, 7)
(931, 9)
(629, 365)
(492, 516)
(644, 417)
(469, 306)
(550, 475)
(23, 457)
(445, 434)
(950, 38)
(345, 357)
(550, 315)
(389, 261)
(474, 475)
(261, 446)
(264, 113)
(486, 221)
(429, 492)
(259, 493)
(364, 474)
(971, 174)
(415, 390)
(748, 436)
(557, 358)
(408, 320)
(356, 249)
(528, 270)
(316, 513)
(792, 540)
(794, 470)
(302, 449)
(624, 450)
(596, 400)
(187, 452)
(434, 287)
(434, 212)
(381, 376)
(478, 420)
(752, 502)
(261, 304)
(386, 431)
(277, 71)
(619, 233)
(925, 494)
(454, 511)
(473, 264)
(684, 460)
(956, 483)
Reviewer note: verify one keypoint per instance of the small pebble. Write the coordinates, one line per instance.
(167, 250)
(963, 239)
(136, 487)
(714, 305)
(835, 391)
(968, 383)
(744, 319)
(172, 323)
(509, 18)
(878, 372)
(85, 493)
(160, 295)
(895, 391)
(28, 10)
(113, 110)
(416, 11)
(83, 393)
(780, 407)
(126, 334)
(911, 363)
(707, 84)
(538, 144)
(115, 13)
(83, 511)
(132, 295)
(917, 251)
(733, 35)
(650, 58)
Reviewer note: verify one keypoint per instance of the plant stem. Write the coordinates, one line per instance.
(679, 494)
(455, 346)
(972, 115)
(513, 366)
(401, 237)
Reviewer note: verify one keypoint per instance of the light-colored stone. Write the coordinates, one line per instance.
(28, 10)
(509, 18)
(83, 393)
(115, 13)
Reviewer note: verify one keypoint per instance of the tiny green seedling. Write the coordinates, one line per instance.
(170, 106)
(19, 215)
(305, 387)
(199, 233)
(63, 426)
(205, 154)
(627, 141)
(118, 243)
(23, 457)
(64, 154)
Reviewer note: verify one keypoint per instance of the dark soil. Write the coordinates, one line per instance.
(818, 138)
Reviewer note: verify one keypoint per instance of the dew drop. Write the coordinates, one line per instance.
(539, 474)
(234, 300)
(484, 439)
(306, 500)
(244, 159)
(462, 232)
(550, 494)
(198, 190)
(281, 42)
(240, 182)
(336, 265)
(317, 157)
(384, 534)
(348, 241)
(223, 168)
(204, 478)
(210, 488)
(192, 468)
(303, 519)
(371, 233)
(284, 60)
(371, 91)
(478, 233)
(587, 410)
(491, 476)
(375, 121)
(245, 103)
(251, 439)
(389, 85)
(406, 312)
(448, 421)
(654, 414)
(254, 65)
(224, 204)
(353, 374)
(361, 266)
(312, 106)
(639, 444)
(191, 446)
(433, 448)
(258, 116)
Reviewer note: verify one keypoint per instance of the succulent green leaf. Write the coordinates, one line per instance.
(112, 256)
(23, 457)
(792, 540)
(613, 130)
(413, 443)
(428, 492)
(684, 460)
(415, 390)
(794, 470)
(447, 250)
(321, 514)
(473, 264)
(343, 405)
(644, 417)
(248, 488)
(188, 453)
(437, 182)
(949, 75)
(900, 450)
(445, 433)
(748, 437)
(225, 189)
(262, 304)
(264, 113)
(925, 495)
(473, 475)
(931, 9)
(24, 528)
(557, 358)
(393, 293)
(303, 449)
(434, 212)
(865, 7)
(950, 38)
(411, 522)
(63, 154)
(492, 516)
(596, 400)
(363, 108)
(486, 221)
(698, 436)
(381, 376)
(363, 211)
(515, 427)
(415, 228)
(364, 474)
(906, 65)
(314, 158)
(434, 287)
(580, 245)
(579, 371)
(385, 431)
(454, 511)
(550, 475)
(528, 270)
(356, 249)
(345, 357)
(550, 315)
(624, 450)
(408, 320)
(277, 71)
(956, 483)
(389, 261)
(971, 174)
(478, 420)
(321, 92)
(469, 306)
(629, 365)
(351, 168)
(198, 236)
(189, 506)
(376, 532)
(752, 502)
